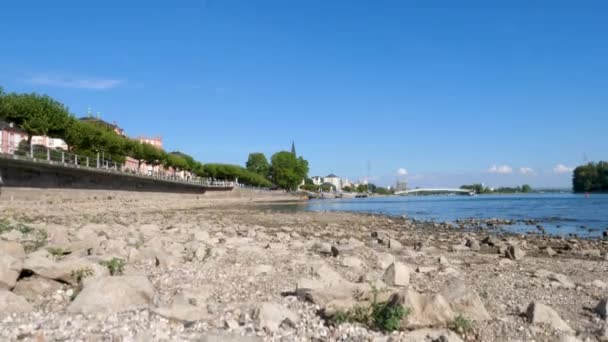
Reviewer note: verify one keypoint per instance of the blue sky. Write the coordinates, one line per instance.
(451, 92)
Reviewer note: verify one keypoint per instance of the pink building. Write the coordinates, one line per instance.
(154, 141)
(10, 137)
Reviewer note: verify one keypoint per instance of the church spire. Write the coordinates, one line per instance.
(293, 148)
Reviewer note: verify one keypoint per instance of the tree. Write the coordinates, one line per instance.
(591, 177)
(526, 188)
(287, 171)
(35, 114)
(257, 163)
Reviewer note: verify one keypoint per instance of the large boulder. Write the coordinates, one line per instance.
(397, 274)
(114, 294)
(12, 303)
(10, 268)
(514, 252)
(465, 301)
(426, 310)
(34, 287)
(538, 313)
(70, 271)
(269, 316)
(12, 248)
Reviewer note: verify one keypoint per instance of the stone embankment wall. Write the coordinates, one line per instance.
(25, 180)
(31, 174)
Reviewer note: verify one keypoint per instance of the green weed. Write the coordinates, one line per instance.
(116, 266)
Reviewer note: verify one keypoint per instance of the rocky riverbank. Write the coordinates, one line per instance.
(132, 268)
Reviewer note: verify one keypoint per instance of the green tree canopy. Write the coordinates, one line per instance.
(287, 171)
(35, 114)
(591, 177)
(258, 163)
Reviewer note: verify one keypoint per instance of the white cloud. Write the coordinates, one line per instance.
(76, 83)
(500, 169)
(402, 172)
(528, 171)
(561, 168)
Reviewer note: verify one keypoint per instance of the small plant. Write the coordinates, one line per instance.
(39, 239)
(383, 316)
(81, 273)
(462, 325)
(387, 316)
(57, 252)
(116, 266)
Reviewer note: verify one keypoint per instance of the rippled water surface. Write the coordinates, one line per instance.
(559, 214)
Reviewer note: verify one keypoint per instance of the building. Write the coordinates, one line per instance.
(154, 141)
(317, 180)
(333, 180)
(10, 137)
(52, 143)
(401, 186)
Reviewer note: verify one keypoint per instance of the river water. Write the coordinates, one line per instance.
(559, 214)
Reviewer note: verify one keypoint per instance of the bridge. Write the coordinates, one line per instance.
(432, 190)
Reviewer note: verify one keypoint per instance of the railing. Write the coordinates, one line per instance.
(42, 154)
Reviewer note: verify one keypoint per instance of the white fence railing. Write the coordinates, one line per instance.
(43, 154)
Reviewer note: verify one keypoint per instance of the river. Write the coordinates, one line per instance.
(559, 214)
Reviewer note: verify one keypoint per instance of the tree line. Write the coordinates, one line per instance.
(42, 115)
(592, 177)
(480, 189)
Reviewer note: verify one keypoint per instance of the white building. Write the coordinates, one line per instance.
(333, 180)
(51, 143)
(317, 180)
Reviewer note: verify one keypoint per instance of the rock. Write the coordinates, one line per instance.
(114, 294)
(538, 313)
(490, 240)
(465, 301)
(12, 303)
(352, 262)
(201, 236)
(550, 252)
(12, 248)
(443, 261)
(227, 338)
(69, 270)
(34, 287)
(397, 274)
(473, 245)
(270, 316)
(598, 284)
(263, 269)
(335, 251)
(459, 248)
(182, 312)
(381, 237)
(431, 335)
(427, 310)
(322, 248)
(513, 252)
(10, 269)
(155, 255)
(394, 244)
(590, 253)
(426, 269)
(384, 260)
(561, 280)
(602, 308)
